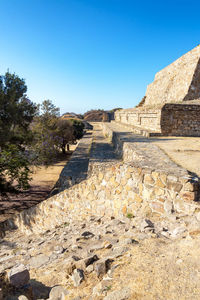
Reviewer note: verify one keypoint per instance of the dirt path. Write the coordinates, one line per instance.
(43, 180)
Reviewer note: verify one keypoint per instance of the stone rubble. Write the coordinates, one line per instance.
(77, 258)
(95, 249)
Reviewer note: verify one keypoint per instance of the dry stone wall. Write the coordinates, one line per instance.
(180, 120)
(139, 184)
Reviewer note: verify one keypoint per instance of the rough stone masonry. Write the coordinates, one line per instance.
(171, 105)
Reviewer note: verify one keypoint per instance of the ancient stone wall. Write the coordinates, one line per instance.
(139, 184)
(180, 120)
(177, 82)
(141, 118)
(76, 169)
(171, 120)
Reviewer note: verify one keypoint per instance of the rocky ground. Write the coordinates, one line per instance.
(101, 258)
(104, 258)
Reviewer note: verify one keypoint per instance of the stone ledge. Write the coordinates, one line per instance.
(76, 169)
(136, 186)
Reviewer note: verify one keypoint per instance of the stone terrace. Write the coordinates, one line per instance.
(154, 182)
(78, 237)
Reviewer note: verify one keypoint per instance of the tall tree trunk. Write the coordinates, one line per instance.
(63, 150)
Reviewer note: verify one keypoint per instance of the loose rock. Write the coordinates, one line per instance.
(18, 276)
(77, 277)
(102, 266)
(38, 261)
(90, 260)
(57, 293)
(22, 297)
(119, 295)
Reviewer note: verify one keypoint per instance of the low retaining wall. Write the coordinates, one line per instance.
(117, 190)
(76, 169)
(135, 186)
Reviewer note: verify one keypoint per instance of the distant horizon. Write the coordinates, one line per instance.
(90, 54)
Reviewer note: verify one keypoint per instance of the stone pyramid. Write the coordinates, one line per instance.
(177, 83)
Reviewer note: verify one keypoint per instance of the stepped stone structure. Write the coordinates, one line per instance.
(171, 105)
(121, 206)
(119, 194)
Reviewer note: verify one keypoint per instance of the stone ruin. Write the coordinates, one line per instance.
(171, 105)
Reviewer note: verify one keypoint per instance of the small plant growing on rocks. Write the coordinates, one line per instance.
(108, 288)
(130, 215)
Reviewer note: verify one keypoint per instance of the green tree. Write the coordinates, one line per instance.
(52, 134)
(78, 129)
(44, 128)
(48, 113)
(64, 134)
(16, 114)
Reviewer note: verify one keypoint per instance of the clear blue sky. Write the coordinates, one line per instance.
(85, 54)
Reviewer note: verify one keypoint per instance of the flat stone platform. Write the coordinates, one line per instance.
(183, 151)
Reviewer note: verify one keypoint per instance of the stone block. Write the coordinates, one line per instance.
(101, 175)
(175, 186)
(138, 199)
(191, 186)
(148, 179)
(168, 206)
(128, 188)
(140, 186)
(172, 178)
(58, 293)
(78, 277)
(158, 207)
(123, 181)
(123, 294)
(155, 175)
(93, 187)
(124, 210)
(18, 276)
(159, 183)
(188, 196)
(102, 266)
(163, 178)
(159, 191)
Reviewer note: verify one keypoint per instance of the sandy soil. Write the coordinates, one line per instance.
(43, 180)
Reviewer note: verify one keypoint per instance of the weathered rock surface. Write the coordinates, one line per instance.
(18, 276)
(78, 277)
(124, 256)
(134, 259)
(58, 293)
(122, 294)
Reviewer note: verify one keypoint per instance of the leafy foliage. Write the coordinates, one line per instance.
(78, 127)
(43, 128)
(52, 134)
(16, 114)
(65, 134)
(14, 165)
